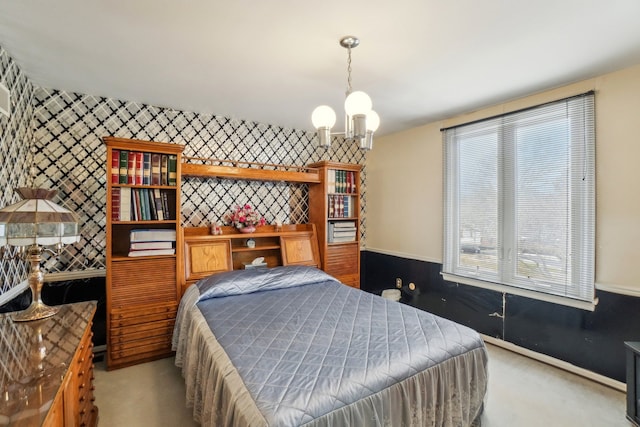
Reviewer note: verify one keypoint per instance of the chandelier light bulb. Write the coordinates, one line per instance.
(357, 102)
(373, 121)
(323, 116)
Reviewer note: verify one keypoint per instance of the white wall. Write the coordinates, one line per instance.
(404, 181)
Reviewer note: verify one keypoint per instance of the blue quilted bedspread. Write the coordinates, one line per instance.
(305, 345)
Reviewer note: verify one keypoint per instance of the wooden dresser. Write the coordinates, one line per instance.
(47, 369)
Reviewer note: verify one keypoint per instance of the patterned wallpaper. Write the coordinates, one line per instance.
(64, 132)
(70, 156)
(16, 133)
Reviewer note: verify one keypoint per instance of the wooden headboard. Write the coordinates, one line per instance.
(206, 254)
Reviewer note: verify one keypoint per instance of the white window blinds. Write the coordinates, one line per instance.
(519, 199)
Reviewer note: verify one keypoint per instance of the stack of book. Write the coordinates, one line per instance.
(342, 231)
(149, 242)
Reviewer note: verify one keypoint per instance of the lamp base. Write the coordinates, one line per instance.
(37, 310)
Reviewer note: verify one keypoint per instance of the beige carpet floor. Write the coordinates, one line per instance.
(522, 393)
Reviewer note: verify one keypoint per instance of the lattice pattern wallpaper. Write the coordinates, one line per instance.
(16, 133)
(64, 132)
(70, 156)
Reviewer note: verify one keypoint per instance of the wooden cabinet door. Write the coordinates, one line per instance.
(299, 250)
(205, 258)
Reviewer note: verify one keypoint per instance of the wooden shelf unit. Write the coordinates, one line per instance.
(340, 259)
(206, 254)
(215, 168)
(142, 292)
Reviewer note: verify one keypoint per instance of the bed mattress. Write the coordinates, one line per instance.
(291, 346)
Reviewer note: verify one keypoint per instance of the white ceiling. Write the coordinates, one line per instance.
(274, 61)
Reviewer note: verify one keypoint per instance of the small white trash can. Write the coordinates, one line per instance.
(392, 294)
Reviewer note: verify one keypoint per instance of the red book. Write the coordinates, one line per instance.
(115, 202)
(139, 169)
(131, 172)
(115, 166)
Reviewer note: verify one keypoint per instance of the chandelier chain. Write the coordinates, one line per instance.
(348, 71)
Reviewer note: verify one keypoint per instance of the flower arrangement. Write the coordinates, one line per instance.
(244, 217)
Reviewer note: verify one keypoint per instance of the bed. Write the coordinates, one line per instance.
(291, 346)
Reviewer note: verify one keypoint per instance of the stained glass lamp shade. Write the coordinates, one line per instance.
(33, 224)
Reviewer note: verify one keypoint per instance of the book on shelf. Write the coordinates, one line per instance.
(115, 166)
(152, 235)
(125, 203)
(124, 166)
(344, 234)
(131, 169)
(139, 169)
(164, 169)
(166, 208)
(172, 177)
(146, 167)
(115, 203)
(345, 224)
(153, 213)
(135, 206)
(151, 252)
(340, 239)
(137, 246)
(155, 169)
(157, 199)
(144, 203)
(331, 184)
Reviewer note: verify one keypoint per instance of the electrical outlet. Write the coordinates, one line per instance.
(398, 283)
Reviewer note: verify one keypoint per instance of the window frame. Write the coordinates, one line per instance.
(582, 240)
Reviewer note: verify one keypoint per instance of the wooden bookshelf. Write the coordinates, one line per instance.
(143, 291)
(334, 204)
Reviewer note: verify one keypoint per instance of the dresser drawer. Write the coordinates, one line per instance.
(139, 332)
(141, 349)
(134, 316)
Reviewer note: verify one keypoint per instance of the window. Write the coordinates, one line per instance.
(520, 201)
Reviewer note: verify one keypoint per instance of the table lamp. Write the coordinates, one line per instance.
(36, 225)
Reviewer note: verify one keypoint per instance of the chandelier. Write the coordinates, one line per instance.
(360, 120)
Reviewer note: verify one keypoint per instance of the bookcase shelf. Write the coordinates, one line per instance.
(142, 291)
(217, 168)
(334, 208)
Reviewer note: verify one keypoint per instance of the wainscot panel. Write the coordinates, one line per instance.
(590, 340)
